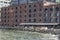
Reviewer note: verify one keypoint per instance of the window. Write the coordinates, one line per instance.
(34, 10)
(25, 6)
(8, 20)
(33, 0)
(50, 14)
(40, 20)
(58, 19)
(8, 12)
(2, 24)
(12, 8)
(16, 7)
(51, 9)
(29, 5)
(52, 19)
(34, 15)
(5, 2)
(4, 16)
(16, 20)
(34, 20)
(40, 10)
(46, 9)
(44, 20)
(29, 20)
(46, 14)
(8, 8)
(5, 9)
(25, 15)
(4, 20)
(5, 24)
(58, 13)
(30, 11)
(29, 15)
(55, 19)
(20, 7)
(8, 24)
(34, 5)
(20, 11)
(16, 25)
(49, 19)
(16, 12)
(55, 14)
(57, 9)
(40, 4)
(41, 0)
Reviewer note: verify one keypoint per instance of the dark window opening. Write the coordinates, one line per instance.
(30, 11)
(46, 9)
(16, 20)
(57, 9)
(2, 24)
(4, 16)
(8, 20)
(8, 8)
(29, 20)
(5, 9)
(40, 20)
(16, 7)
(34, 20)
(34, 10)
(25, 6)
(16, 25)
(12, 8)
(51, 9)
(29, 5)
(20, 7)
(29, 15)
(5, 21)
(40, 9)
(39, 4)
(34, 5)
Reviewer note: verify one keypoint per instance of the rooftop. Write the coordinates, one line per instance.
(49, 3)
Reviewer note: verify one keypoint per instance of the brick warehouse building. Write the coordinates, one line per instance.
(36, 13)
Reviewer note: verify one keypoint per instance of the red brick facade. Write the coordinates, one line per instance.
(30, 13)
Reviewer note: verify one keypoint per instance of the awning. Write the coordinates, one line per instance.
(39, 23)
